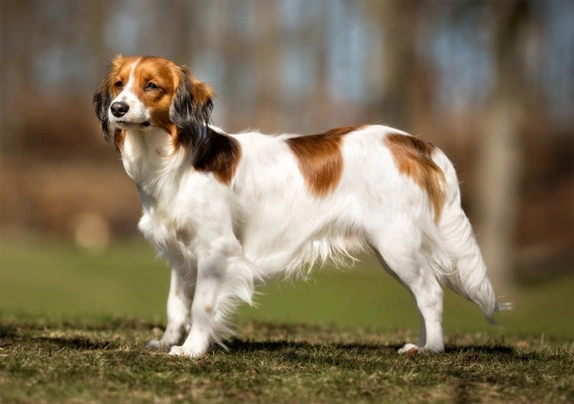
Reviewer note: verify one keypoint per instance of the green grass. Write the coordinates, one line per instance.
(73, 326)
(103, 360)
(56, 279)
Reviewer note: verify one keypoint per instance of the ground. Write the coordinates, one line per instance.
(104, 360)
(74, 325)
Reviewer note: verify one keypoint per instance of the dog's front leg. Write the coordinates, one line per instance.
(204, 311)
(181, 291)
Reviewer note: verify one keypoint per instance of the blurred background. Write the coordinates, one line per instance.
(490, 82)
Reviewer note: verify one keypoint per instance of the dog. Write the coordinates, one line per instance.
(229, 211)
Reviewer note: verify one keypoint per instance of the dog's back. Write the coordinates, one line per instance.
(230, 210)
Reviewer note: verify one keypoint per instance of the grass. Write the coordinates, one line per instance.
(103, 360)
(73, 326)
(56, 279)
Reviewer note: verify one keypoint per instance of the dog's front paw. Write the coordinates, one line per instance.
(412, 349)
(409, 349)
(157, 345)
(183, 351)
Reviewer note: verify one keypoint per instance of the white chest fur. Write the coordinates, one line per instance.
(150, 160)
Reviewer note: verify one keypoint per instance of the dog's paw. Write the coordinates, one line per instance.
(409, 349)
(157, 345)
(182, 351)
(412, 349)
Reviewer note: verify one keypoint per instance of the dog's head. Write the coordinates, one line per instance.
(146, 92)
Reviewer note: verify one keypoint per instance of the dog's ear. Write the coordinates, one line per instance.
(101, 101)
(103, 98)
(190, 111)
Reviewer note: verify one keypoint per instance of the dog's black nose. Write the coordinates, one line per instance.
(119, 108)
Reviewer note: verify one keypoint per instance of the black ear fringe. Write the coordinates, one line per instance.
(192, 117)
(101, 101)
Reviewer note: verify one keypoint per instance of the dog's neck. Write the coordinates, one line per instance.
(151, 160)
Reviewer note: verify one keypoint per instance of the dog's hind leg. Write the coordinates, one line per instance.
(399, 249)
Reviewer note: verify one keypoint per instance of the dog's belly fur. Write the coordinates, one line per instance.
(229, 211)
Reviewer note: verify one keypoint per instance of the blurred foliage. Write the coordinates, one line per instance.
(464, 75)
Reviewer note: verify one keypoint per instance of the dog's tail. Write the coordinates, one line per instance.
(454, 254)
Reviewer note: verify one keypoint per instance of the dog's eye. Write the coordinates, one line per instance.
(119, 84)
(151, 86)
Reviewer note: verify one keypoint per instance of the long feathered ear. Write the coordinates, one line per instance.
(101, 101)
(190, 111)
(103, 98)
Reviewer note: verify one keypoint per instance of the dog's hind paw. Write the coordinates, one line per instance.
(157, 345)
(181, 351)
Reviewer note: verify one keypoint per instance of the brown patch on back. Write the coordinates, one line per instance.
(413, 157)
(320, 158)
(222, 158)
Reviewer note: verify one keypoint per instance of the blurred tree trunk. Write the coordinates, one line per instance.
(320, 100)
(407, 90)
(267, 59)
(399, 21)
(16, 54)
(499, 165)
(95, 12)
(185, 28)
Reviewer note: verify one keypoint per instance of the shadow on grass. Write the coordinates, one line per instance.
(18, 334)
(8, 331)
(76, 343)
(471, 351)
(271, 346)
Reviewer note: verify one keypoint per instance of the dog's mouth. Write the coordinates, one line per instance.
(127, 124)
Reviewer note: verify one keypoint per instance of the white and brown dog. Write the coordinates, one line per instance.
(231, 210)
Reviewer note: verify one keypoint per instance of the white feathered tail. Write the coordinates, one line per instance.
(456, 257)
